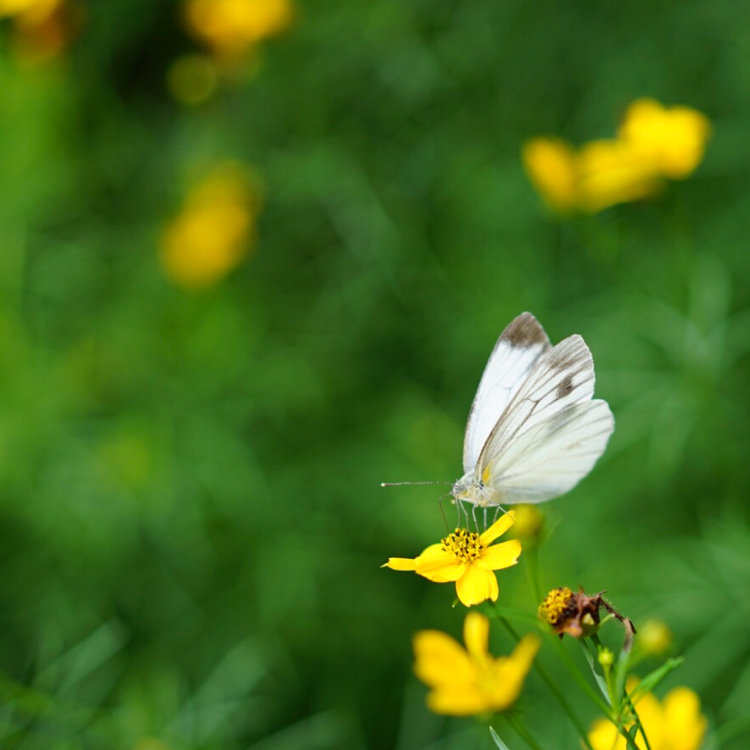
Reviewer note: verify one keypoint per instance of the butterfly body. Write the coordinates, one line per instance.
(534, 429)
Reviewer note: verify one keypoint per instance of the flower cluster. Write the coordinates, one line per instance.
(214, 230)
(653, 143)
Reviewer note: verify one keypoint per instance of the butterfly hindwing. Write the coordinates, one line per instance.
(552, 456)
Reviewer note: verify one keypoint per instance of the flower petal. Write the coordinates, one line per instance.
(477, 636)
(458, 700)
(683, 720)
(439, 660)
(436, 564)
(476, 585)
(400, 563)
(500, 556)
(498, 528)
(511, 671)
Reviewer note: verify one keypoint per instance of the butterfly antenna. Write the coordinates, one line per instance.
(401, 484)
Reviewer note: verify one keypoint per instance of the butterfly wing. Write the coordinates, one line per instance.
(519, 347)
(551, 432)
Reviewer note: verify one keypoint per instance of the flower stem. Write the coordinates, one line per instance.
(637, 720)
(549, 682)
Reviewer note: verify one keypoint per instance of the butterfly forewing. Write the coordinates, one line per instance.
(561, 377)
(517, 350)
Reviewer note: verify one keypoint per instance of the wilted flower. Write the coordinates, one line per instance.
(466, 558)
(675, 723)
(233, 27)
(577, 614)
(214, 230)
(470, 681)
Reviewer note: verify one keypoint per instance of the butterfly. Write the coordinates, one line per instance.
(534, 429)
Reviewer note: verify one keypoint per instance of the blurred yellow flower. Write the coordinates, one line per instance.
(41, 28)
(653, 143)
(529, 522)
(214, 230)
(611, 172)
(673, 138)
(466, 558)
(654, 637)
(675, 723)
(192, 79)
(232, 27)
(470, 681)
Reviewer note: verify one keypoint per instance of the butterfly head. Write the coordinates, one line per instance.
(475, 491)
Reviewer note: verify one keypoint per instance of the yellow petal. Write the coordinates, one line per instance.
(551, 166)
(476, 585)
(498, 528)
(440, 566)
(615, 171)
(400, 563)
(683, 720)
(439, 660)
(603, 735)
(477, 636)
(500, 556)
(463, 700)
(511, 671)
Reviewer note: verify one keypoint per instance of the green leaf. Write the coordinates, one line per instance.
(600, 681)
(497, 740)
(651, 680)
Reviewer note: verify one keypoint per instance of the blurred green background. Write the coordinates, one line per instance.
(191, 523)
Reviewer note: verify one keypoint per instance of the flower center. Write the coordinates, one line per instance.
(463, 544)
(555, 606)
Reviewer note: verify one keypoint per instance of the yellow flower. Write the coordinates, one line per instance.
(673, 138)
(470, 681)
(467, 558)
(232, 27)
(552, 167)
(675, 723)
(212, 233)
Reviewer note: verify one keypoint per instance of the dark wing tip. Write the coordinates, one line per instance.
(524, 331)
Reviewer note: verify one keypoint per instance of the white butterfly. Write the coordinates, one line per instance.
(533, 431)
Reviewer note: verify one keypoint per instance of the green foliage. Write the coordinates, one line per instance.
(191, 526)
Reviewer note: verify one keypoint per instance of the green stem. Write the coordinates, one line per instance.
(522, 732)
(532, 570)
(637, 721)
(582, 681)
(549, 682)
